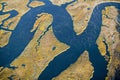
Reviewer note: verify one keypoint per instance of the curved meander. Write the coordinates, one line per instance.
(63, 30)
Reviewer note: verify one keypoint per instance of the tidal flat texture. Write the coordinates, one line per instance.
(31, 39)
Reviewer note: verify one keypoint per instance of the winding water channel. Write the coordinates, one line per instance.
(63, 30)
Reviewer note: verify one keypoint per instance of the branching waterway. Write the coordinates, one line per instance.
(63, 31)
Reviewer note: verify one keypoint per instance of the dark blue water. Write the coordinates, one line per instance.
(63, 30)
